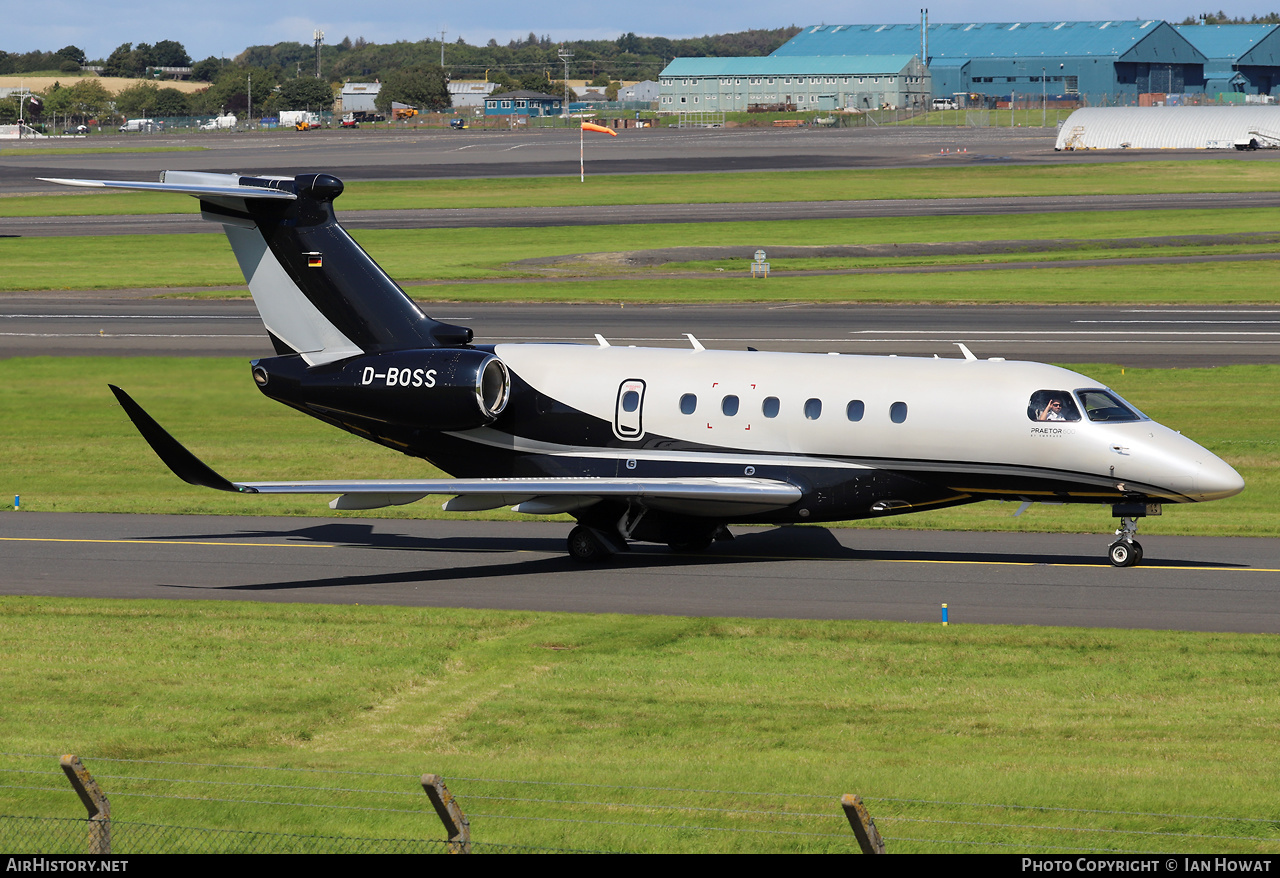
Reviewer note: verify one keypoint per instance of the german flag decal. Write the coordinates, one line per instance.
(315, 260)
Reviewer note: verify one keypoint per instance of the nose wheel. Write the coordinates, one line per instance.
(1126, 551)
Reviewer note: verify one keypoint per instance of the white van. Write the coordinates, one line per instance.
(228, 121)
(139, 125)
(945, 104)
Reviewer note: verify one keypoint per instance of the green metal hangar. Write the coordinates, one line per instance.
(862, 81)
(1102, 62)
(1240, 58)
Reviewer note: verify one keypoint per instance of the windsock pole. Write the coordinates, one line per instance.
(588, 126)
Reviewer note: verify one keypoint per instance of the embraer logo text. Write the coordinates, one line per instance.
(400, 377)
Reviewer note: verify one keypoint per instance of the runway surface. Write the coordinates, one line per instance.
(110, 324)
(1199, 584)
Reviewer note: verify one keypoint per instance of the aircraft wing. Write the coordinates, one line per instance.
(706, 495)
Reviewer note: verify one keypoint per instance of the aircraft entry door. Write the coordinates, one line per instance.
(627, 422)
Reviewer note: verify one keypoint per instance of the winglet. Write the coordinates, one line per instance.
(184, 464)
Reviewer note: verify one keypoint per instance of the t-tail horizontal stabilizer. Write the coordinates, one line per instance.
(319, 293)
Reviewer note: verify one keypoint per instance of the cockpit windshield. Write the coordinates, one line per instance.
(1103, 405)
(1052, 405)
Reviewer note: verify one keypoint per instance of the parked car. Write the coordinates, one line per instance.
(457, 124)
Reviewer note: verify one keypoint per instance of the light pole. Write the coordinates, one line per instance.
(565, 56)
(1044, 98)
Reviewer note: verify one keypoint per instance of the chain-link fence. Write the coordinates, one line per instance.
(171, 807)
(57, 835)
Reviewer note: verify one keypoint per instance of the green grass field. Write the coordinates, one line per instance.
(1125, 178)
(446, 256)
(88, 150)
(1124, 728)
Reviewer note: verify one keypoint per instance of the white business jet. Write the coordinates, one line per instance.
(657, 444)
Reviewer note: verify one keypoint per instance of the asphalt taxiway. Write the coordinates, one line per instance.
(1198, 584)
(118, 323)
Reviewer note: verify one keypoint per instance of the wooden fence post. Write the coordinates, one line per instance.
(863, 826)
(455, 822)
(95, 802)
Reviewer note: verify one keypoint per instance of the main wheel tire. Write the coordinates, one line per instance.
(585, 547)
(1123, 553)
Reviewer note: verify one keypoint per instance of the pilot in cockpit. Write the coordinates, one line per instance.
(1052, 405)
(1052, 411)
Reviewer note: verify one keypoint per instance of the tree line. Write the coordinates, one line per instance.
(1221, 17)
(282, 76)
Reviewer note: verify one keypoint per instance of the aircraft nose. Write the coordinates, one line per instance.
(1215, 479)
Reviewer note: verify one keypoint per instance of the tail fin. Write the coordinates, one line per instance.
(319, 293)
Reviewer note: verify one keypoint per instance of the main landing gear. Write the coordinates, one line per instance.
(588, 546)
(1126, 551)
(595, 545)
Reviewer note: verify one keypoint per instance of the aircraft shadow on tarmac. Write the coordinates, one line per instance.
(780, 544)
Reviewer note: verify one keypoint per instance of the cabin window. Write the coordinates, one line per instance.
(898, 412)
(1052, 405)
(770, 407)
(813, 409)
(729, 406)
(855, 410)
(1103, 405)
(688, 403)
(630, 401)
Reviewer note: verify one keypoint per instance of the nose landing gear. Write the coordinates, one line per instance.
(1126, 551)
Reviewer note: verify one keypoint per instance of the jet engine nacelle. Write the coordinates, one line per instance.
(431, 388)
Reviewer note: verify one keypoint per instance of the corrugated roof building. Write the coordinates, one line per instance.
(807, 82)
(1169, 127)
(470, 92)
(1239, 57)
(1102, 61)
(358, 97)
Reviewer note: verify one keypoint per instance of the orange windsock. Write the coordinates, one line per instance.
(592, 126)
